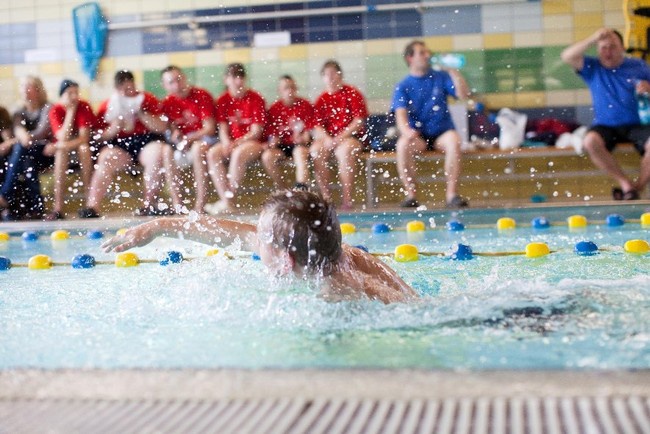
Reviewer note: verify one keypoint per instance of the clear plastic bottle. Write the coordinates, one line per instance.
(643, 103)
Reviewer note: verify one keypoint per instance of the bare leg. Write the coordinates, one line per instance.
(151, 159)
(604, 160)
(217, 169)
(449, 142)
(242, 156)
(300, 159)
(271, 160)
(321, 156)
(86, 164)
(61, 162)
(644, 171)
(407, 149)
(200, 166)
(346, 155)
(111, 160)
(172, 176)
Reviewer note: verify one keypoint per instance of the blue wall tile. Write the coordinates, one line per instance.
(451, 20)
(320, 36)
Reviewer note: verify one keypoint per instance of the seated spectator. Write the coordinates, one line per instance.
(341, 114)
(21, 189)
(192, 127)
(615, 82)
(424, 121)
(290, 120)
(131, 131)
(71, 120)
(7, 141)
(241, 115)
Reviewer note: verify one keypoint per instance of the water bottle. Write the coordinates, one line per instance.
(449, 60)
(643, 101)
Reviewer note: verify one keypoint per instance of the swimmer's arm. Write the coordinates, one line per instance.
(205, 229)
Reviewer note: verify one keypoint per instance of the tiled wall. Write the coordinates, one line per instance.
(512, 49)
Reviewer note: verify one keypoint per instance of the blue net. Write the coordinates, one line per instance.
(90, 29)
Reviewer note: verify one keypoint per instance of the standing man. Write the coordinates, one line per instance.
(614, 81)
(290, 120)
(341, 114)
(131, 131)
(424, 121)
(241, 116)
(192, 126)
(72, 121)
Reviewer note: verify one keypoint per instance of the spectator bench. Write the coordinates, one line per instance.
(497, 175)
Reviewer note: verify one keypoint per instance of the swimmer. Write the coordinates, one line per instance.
(297, 233)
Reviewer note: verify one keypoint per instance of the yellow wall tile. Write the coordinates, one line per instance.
(265, 54)
(614, 20)
(580, 6)
(22, 14)
(351, 49)
(497, 40)
(530, 99)
(241, 55)
(208, 57)
(47, 13)
(583, 97)
(293, 52)
(589, 20)
(580, 34)
(467, 42)
(612, 5)
(551, 23)
(498, 100)
(559, 38)
(6, 71)
(327, 49)
(377, 47)
(51, 69)
(551, 7)
(184, 59)
(560, 98)
(439, 44)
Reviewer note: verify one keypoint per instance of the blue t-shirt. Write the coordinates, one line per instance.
(425, 100)
(613, 90)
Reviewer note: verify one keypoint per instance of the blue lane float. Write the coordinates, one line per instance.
(255, 257)
(29, 236)
(380, 228)
(586, 248)
(172, 257)
(461, 252)
(614, 220)
(540, 223)
(455, 226)
(94, 235)
(83, 261)
(5, 263)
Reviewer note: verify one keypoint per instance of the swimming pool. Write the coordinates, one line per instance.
(560, 311)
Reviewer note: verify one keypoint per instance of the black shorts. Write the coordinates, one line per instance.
(288, 148)
(431, 140)
(134, 144)
(637, 134)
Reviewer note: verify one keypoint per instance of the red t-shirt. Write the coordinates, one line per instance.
(189, 113)
(241, 113)
(150, 105)
(83, 118)
(283, 119)
(335, 111)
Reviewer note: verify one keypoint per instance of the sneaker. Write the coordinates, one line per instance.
(88, 213)
(218, 207)
(410, 202)
(458, 202)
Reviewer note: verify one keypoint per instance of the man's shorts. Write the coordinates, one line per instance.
(135, 144)
(637, 134)
(431, 140)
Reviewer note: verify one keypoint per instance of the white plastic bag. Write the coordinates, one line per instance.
(512, 126)
(572, 140)
(123, 107)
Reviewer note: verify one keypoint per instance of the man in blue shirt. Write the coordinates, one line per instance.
(614, 81)
(424, 122)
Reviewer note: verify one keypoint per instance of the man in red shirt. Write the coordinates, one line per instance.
(131, 130)
(241, 115)
(71, 121)
(290, 120)
(192, 127)
(340, 122)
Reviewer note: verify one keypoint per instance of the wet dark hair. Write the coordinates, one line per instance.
(123, 76)
(331, 64)
(306, 226)
(236, 70)
(410, 48)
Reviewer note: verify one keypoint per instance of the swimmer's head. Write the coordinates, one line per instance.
(302, 226)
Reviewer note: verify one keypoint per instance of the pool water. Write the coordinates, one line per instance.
(492, 312)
